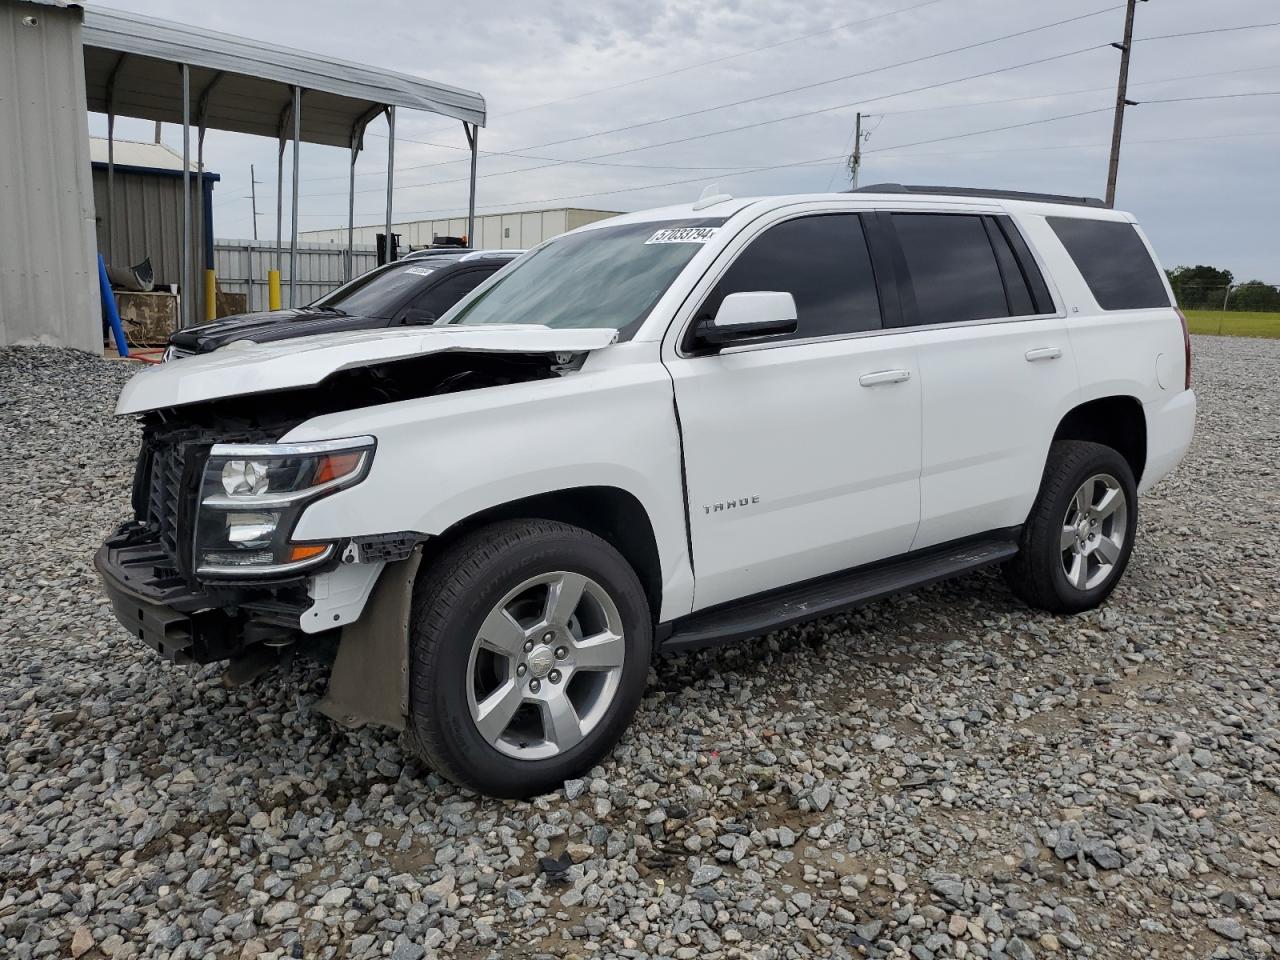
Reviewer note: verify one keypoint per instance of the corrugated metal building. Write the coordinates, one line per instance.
(48, 271)
(148, 209)
(58, 60)
(494, 231)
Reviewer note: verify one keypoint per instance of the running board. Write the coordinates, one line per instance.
(819, 598)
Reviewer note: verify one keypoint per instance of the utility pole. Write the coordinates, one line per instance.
(1121, 102)
(253, 199)
(855, 161)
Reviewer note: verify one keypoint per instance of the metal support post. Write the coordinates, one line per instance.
(473, 141)
(293, 235)
(391, 174)
(187, 286)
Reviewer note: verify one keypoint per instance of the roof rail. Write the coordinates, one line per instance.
(977, 192)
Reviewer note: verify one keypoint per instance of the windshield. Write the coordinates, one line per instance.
(606, 277)
(380, 291)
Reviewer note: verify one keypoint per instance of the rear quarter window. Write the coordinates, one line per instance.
(1114, 262)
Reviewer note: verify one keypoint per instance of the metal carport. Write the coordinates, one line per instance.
(138, 66)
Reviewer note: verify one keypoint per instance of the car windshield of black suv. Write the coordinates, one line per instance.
(380, 291)
(607, 277)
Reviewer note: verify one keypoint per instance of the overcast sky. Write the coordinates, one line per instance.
(1200, 175)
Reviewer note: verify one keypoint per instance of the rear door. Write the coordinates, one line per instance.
(996, 370)
(802, 456)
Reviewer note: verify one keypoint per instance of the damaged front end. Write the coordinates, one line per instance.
(207, 569)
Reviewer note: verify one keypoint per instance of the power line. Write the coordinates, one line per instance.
(727, 170)
(1201, 33)
(797, 163)
(942, 53)
(553, 163)
(893, 151)
(1072, 93)
(901, 63)
(659, 166)
(747, 126)
(1216, 96)
(819, 83)
(731, 56)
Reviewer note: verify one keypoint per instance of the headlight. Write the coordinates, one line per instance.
(252, 496)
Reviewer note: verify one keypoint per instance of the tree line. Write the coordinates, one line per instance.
(1206, 288)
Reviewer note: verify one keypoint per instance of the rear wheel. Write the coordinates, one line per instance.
(1079, 535)
(530, 647)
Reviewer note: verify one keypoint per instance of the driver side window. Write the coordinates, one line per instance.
(823, 261)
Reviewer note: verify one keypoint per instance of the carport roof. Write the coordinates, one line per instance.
(131, 69)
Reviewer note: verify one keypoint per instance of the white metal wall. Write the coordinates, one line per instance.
(242, 266)
(48, 257)
(495, 231)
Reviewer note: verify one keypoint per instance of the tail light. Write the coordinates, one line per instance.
(1186, 344)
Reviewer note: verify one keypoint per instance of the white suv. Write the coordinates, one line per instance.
(663, 431)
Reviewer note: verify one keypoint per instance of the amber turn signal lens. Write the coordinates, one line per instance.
(306, 551)
(336, 465)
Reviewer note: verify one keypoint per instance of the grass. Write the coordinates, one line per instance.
(1234, 324)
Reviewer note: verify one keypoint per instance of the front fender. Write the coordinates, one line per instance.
(443, 459)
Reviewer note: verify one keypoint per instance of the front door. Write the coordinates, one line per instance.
(802, 456)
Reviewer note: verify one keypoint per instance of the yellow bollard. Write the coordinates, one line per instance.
(273, 289)
(210, 295)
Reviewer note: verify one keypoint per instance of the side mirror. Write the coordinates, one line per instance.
(419, 318)
(752, 315)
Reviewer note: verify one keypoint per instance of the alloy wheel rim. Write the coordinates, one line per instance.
(545, 665)
(1093, 531)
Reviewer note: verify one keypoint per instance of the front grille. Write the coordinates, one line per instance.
(164, 496)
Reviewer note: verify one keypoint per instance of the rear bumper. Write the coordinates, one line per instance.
(1170, 427)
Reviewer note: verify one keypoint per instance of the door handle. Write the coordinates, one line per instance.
(884, 376)
(1043, 353)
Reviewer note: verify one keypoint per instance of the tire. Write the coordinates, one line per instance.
(469, 663)
(1059, 536)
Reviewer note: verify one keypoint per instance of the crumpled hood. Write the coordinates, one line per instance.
(246, 368)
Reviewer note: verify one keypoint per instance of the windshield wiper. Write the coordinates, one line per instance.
(328, 309)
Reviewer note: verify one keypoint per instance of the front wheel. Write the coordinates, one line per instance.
(530, 647)
(1079, 535)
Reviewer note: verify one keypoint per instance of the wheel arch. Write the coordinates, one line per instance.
(611, 513)
(1118, 422)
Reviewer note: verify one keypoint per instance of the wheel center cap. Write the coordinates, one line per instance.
(540, 661)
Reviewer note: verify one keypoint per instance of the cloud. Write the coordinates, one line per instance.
(1202, 200)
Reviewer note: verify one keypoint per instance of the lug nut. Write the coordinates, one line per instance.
(528, 645)
(554, 676)
(561, 652)
(521, 670)
(548, 637)
(534, 685)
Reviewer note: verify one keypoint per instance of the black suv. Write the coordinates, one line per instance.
(415, 290)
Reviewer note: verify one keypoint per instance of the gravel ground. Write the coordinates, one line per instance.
(947, 774)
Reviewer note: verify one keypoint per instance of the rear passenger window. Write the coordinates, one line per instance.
(953, 268)
(1113, 261)
(823, 262)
